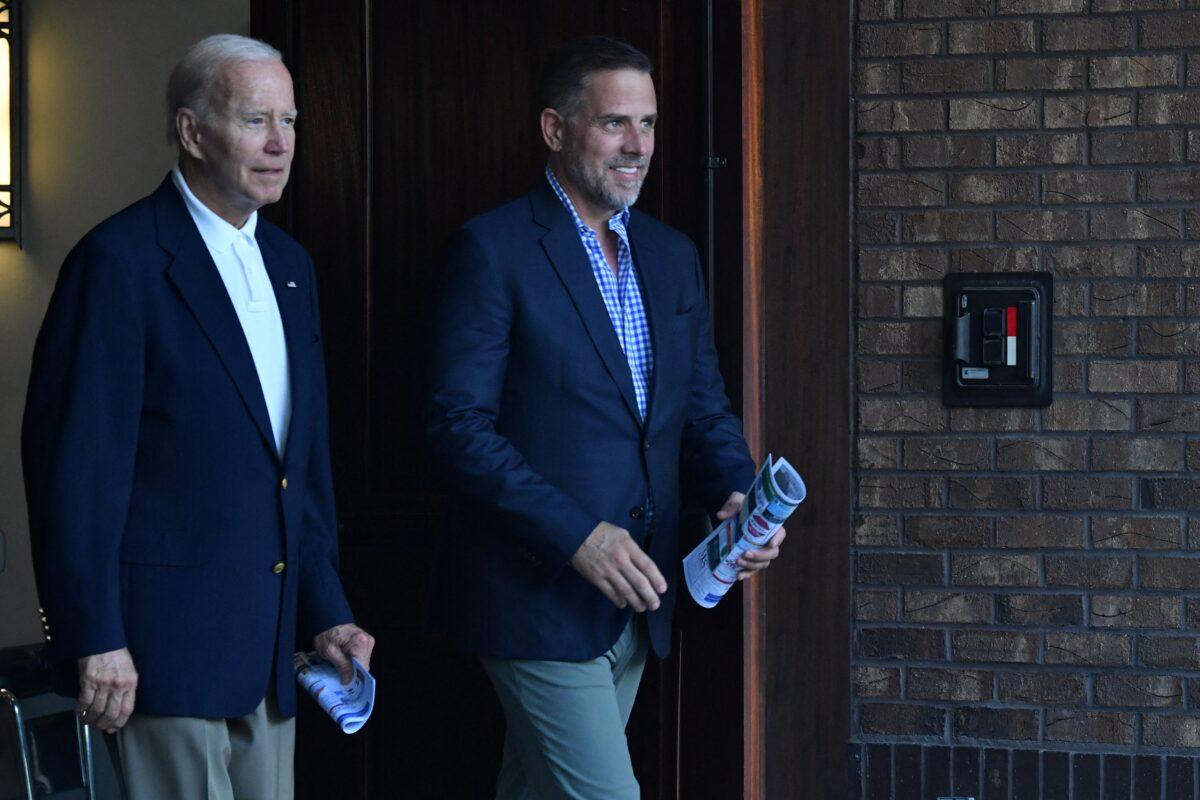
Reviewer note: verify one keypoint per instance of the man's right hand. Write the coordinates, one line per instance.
(612, 561)
(107, 689)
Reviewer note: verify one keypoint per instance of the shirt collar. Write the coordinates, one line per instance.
(617, 222)
(218, 234)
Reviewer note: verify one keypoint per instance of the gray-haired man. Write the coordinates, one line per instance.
(176, 454)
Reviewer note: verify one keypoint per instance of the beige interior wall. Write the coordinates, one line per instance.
(95, 72)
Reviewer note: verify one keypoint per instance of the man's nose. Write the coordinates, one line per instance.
(639, 141)
(279, 139)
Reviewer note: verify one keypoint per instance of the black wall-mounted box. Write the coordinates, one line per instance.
(999, 339)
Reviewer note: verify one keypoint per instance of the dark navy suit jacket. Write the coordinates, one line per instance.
(533, 419)
(157, 503)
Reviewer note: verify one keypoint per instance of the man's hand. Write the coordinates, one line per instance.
(752, 561)
(341, 642)
(612, 561)
(107, 689)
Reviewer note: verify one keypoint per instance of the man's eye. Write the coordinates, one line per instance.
(612, 124)
(289, 121)
(255, 121)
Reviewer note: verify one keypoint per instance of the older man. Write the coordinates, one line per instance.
(176, 455)
(574, 378)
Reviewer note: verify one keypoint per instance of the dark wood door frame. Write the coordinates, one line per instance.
(787, 631)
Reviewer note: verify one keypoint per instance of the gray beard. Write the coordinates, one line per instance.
(592, 184)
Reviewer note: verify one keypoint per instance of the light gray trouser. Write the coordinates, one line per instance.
(566, 723)
(194, 758)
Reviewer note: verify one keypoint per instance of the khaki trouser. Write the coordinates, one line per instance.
(193, 758)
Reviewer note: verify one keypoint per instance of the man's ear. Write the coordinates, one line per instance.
(187, 127)
(554, 129)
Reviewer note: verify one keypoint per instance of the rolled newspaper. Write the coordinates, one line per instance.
(711, 569)
(348, 705)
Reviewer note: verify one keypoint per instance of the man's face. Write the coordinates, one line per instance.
(608, 142)
(248, 144)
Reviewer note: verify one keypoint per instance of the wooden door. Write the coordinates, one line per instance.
(414, 117)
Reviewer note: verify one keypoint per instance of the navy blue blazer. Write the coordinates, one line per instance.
(158, 506)
(532, 418)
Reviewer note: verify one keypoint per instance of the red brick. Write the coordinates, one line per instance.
(1088, 186)
(945, 8)
(1070, 300)
(1089, 649)
(1169, 186)
(992, 37)
(1182, 652)
(1068, 375)
(945, 453)
(877, 227)
(1039, 531)
(1170, 573)
(1169, 108)
(1133, 72)
(904, 569)
(1105, 727)
(921, 376)
(1088, 111)
(1015, 724)
(1039, 609)
(1089, 572)
(947, 607)
(870, 10)
(878, 152)
(1005, 7)
(995, 113)
(904, 644)
(958, 685)
(893, 719)
(1136, 223)
(1112, 6)
(877, 301)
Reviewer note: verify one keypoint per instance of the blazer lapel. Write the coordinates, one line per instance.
(656, 298)
(292, 297)
(195, 276)
(569, 260)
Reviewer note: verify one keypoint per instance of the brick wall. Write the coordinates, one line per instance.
(1030, 578)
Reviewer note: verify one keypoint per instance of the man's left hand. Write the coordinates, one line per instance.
(341, 642)
(752, 561)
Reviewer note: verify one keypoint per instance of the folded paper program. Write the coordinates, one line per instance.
(348, 705)
(712, 567)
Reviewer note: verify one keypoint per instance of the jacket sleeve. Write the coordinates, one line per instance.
(714, 458)
(323, 601)
(79, 446)
(470, 349)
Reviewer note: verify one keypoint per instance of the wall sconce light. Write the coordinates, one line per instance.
(10, 121)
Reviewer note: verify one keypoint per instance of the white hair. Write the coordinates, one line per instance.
(191, 82)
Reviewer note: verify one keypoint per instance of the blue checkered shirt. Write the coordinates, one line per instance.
(621, 293)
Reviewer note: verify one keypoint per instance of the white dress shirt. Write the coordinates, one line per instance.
(240, 264)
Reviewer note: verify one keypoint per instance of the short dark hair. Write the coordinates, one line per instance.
(566, 72)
